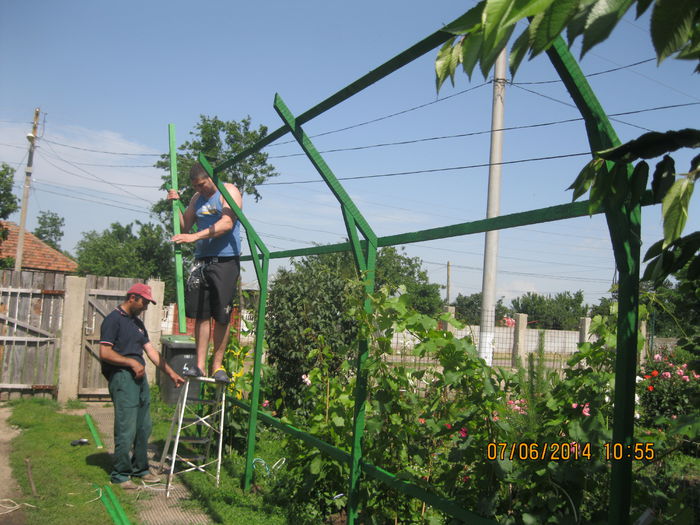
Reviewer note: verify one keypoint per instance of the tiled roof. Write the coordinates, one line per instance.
(37, 255)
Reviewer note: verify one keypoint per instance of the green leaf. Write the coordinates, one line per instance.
(468, 22)
(442, 63)
(639, 182)
(585, 178)
(526, 8)
(601, 20)
(672, 25)
(338, 421)
(642, 6)
(654, 250)
(553, 22)
(492, 51)
(493, 18)
(471, 50)
(578, 22)
(315, 466)
(519, 50)
(674, 209)
(652, 144)
(664, 177)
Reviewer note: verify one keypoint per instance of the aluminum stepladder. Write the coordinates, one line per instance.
(212, 423)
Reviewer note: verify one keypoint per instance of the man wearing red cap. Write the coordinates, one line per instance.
(123, 340)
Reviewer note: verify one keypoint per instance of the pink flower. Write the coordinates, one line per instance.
(574, 405)
(685, 365)
(586, 410)
(674, 416)
(685, 378)
(305, 379)
(463, 432)
(666, 375)
(679, 371)
(266, 404)
(657, 357)
(421, 420)
(695, 376)
(448, 426)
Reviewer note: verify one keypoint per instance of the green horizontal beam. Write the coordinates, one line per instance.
(513, 220)
(387, 68)
(449, 507)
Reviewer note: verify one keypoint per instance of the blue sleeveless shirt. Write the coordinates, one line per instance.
(208, 211)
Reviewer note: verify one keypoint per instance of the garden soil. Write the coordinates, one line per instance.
(10, 493)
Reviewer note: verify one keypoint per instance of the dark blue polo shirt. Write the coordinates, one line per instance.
(126, 335)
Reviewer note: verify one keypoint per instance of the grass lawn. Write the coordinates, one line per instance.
(64, 475)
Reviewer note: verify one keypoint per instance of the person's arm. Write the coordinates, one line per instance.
(109, 355)
(157, 359)
(188, 217)
(222, 226)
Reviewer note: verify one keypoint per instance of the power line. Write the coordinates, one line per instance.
(103, 151)
(433, 170)
(12, 146)
(89, 200)
(74, 190)
(588, 75)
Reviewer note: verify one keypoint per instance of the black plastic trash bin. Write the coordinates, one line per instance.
(180, 353)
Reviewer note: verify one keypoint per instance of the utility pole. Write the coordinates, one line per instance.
(493, 208)
(448, 283)
(31, 137)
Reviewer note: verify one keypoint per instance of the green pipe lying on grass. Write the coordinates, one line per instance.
(93, 430)
(118, 509)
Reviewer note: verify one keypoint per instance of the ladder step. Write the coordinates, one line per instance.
(194, 440)
(195, 458)
(203, 401)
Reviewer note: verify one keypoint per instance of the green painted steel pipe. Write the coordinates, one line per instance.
(177, 209)
(119, 510)
(109, 507)
(93, 431)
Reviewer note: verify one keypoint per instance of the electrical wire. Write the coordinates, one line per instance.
(124, 153)
(101, 201)
(433, 170)
(558, 80)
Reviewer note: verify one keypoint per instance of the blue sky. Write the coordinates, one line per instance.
(111, 76)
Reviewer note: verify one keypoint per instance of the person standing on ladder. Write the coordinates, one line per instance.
(123, 340)
(211, 286)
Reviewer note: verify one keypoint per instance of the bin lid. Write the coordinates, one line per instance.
(177, 340)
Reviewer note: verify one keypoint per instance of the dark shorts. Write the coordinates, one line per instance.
(211, 288)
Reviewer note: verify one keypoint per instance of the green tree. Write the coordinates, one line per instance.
(559, 312)
(218, 140)
(468, 308)
(134, 250)
(8, 205)
(50, 228)
(395, 268)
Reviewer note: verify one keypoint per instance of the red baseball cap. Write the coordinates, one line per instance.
(143, 290)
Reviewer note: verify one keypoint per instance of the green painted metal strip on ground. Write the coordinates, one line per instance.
(93, 431)
(405, 57)
(447, 506)
(177, 206)
(109, 507)
(124, 520)
(323, 169)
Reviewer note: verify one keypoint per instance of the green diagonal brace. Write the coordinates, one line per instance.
(177, 206)
(624, 224)
(366, 266)
(261, 262)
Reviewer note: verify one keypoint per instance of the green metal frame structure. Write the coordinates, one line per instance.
(623, 224)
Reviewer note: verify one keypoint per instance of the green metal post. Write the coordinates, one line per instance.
(366, 264)
(258, 250)
(624, 224)
(179, 279)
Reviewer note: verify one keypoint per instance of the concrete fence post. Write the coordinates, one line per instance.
(153, 321)
(519, 355)
(584, 327)
(645, 349)
(71, 338)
